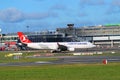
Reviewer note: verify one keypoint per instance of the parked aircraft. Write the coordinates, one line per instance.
(53, 46)
(9, 46)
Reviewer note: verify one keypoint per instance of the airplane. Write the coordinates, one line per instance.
(9, 46)
(53, 46)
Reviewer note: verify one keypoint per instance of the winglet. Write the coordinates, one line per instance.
(23, 38)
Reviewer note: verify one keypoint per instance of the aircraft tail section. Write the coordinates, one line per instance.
(23, 38)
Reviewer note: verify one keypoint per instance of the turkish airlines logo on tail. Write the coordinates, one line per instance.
(23, 38)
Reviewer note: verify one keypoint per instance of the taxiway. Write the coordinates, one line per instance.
(68, 60)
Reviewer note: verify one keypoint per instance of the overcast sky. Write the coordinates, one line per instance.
(40, 15)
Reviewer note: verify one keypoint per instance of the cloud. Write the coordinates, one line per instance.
(38, 16)
(59, 7)
(14, 15)
(39, 0)
(83, 14)
(114, 7)
(113, 10)
(91, 2)
(116, 3)
(11, 15)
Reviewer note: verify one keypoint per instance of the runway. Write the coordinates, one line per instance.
(68, 60)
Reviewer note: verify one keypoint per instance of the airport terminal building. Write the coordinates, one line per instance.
(107, 35)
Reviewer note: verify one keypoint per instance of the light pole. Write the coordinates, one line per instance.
(1, 36)
(27, 28)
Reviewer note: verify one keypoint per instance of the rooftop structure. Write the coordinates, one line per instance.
(90, 31)
(97, 34)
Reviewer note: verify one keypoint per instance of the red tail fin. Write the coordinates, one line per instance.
(23, 38)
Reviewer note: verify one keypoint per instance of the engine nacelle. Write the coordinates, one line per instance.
(62, 48)
(71, 49)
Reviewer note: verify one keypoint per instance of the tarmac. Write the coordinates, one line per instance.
(69, 60)
(80, 59)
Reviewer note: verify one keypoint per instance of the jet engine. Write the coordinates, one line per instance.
(21, 46)
(71, 49)
(62, 48)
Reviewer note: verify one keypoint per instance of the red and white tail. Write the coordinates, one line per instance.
(23, 38)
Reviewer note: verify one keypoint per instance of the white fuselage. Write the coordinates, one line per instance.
(54, 45)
